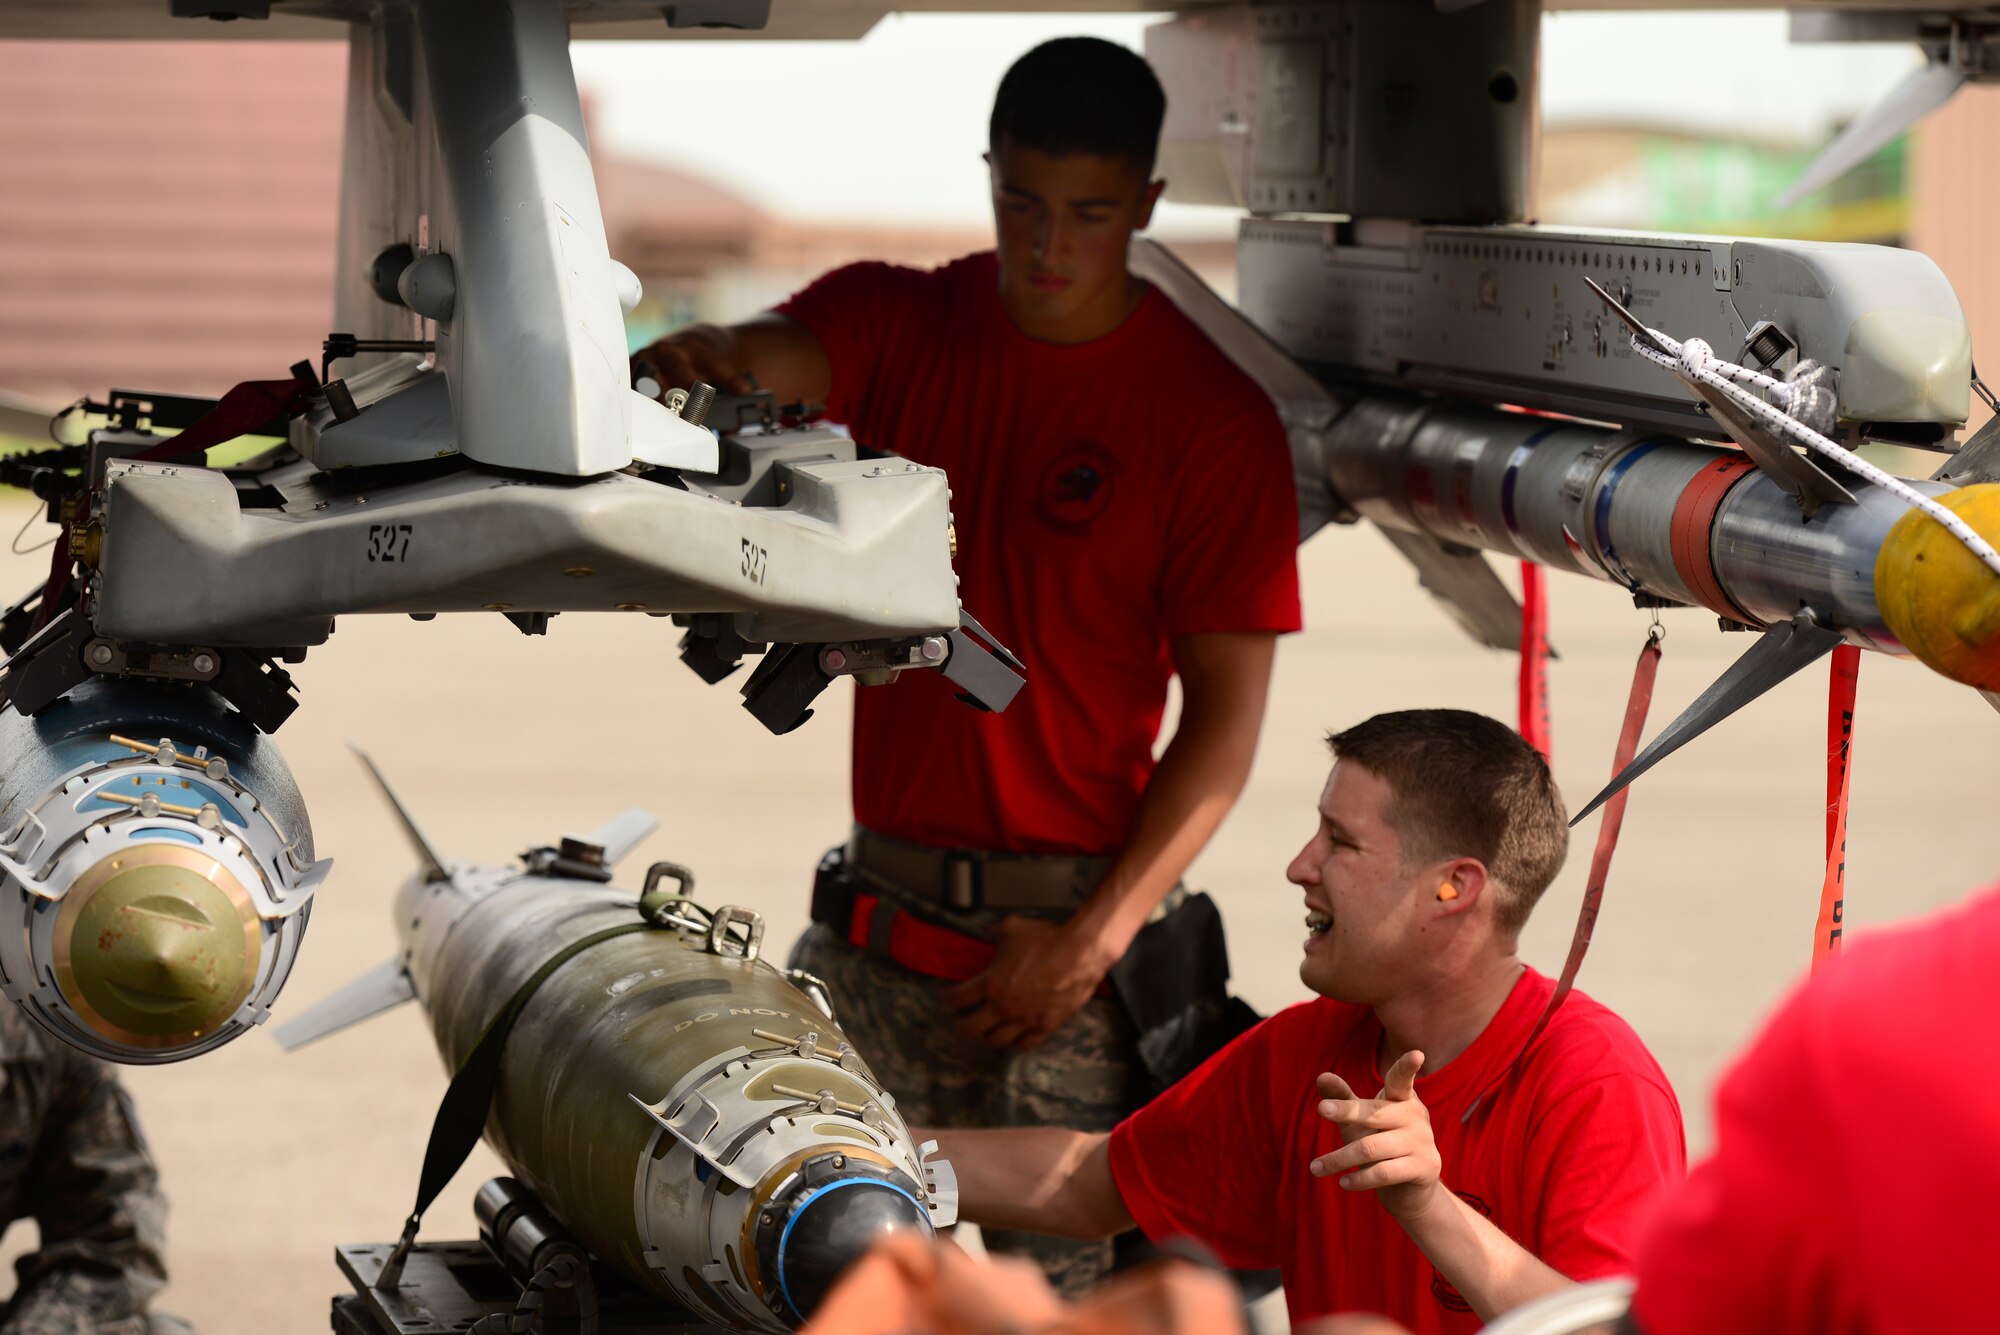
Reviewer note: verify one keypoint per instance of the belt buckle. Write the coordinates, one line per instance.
(961, 885)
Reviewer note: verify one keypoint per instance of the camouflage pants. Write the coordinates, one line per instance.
(72, 1159)
(1084, 1076)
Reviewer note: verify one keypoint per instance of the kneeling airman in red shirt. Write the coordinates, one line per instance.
(1405, 1144)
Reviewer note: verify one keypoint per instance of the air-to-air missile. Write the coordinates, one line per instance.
(156, 870)
(691, 1114)
(1475, 389)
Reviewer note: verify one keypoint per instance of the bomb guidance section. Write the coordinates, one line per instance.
(156, 871)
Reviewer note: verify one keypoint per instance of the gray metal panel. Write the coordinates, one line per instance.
(1502, 314)
(859, 551)
(1375, 107)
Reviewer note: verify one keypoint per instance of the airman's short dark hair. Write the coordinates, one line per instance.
(1465, 785)
(1081, 95)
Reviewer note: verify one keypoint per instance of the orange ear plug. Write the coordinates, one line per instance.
(1447, 891)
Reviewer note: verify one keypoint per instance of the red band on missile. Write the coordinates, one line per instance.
(1694, 524)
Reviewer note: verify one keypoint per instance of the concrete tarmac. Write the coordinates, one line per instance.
(500, 742)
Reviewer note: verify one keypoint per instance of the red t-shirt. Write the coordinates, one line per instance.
(1107, 495)
(1857, 1154)
(1564, 1156)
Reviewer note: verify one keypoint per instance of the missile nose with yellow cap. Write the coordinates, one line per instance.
(1938, 597)
(156, 871)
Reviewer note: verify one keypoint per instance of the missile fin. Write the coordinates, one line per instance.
(1978, 460)
(1305, 406)
(1798, 474)
(941, 1185)
(1782, 651)
(386, 986)
(1921, 92)
(1461, 579)
(1300, 399)
(623, 833)
(434, 866)
(693, 1119)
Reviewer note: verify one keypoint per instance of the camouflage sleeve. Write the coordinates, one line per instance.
(93, 1191)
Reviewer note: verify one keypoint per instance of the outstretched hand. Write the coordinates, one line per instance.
(696, 353)
(1043, 974)
(1390, 1149)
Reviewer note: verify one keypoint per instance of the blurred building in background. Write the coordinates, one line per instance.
(169, 210)
(1666, 179)
(1954, 200)
(168, 215)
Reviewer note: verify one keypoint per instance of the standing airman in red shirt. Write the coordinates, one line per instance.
(1005, 935)
(1400, 1145)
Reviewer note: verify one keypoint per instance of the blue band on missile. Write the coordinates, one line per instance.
(1605, 487)
(1514, 462)
(785, 1237)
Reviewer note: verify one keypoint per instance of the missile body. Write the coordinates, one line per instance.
(153, 889)
(683, 1109)
(1669, 518)
(1664, 517)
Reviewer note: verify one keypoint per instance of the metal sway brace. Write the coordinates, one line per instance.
(392, 1269)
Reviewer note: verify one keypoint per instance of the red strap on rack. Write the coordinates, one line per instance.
(1535, 661)
(243, 409)
(1637, 703)
(1841, 681)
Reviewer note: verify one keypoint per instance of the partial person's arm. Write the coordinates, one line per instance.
(95, 1197)
(781, 354)
(1038, 1179)
(1391, 1151)
(1044, 973)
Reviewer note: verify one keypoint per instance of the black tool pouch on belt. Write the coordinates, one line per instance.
(833, 891)
(1174, 983)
